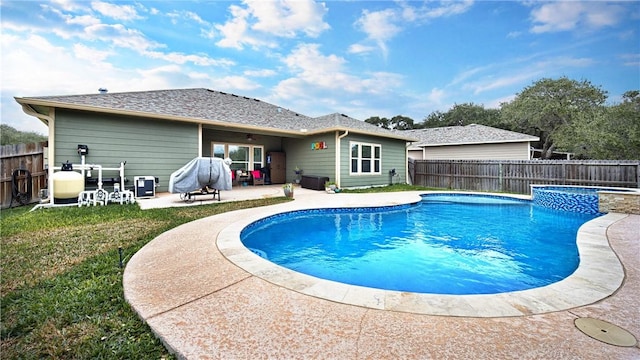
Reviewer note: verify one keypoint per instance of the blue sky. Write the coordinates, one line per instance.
(361, 58)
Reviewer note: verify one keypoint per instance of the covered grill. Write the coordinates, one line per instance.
(202, 175)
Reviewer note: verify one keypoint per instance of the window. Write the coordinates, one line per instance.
(257, 157)
(365, 158)
(244, 157)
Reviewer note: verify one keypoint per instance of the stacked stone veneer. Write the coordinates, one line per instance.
(619, 202)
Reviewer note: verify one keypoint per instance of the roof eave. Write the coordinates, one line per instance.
(478, 142)
(361, 132)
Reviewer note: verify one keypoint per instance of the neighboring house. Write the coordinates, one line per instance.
(157, 132)
(470, 142)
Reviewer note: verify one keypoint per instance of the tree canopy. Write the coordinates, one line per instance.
(463, 114)
(615, 133)
(555, 111)
(10, 136)
(567, 115)
(397, 122)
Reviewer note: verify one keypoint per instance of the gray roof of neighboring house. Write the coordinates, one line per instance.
(209, 107)
(463, 135)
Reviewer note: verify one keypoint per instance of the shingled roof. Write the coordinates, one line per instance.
(208, 107)
(463, 135)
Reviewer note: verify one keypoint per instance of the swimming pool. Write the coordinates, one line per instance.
(446, 244)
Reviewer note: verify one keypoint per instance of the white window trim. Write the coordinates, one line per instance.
(359, 158)
(251, 161)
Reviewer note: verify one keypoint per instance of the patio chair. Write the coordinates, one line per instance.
(258, 178)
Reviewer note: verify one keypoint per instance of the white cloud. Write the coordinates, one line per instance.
(573, 15)
(322, 84)
(235, 82)
(188, 16)
(258, 22)
(379, 25)
(235, 32)
(179, 58)
(514, 34)
(82, 20)
(118, 12)
(260, 73)
(288, 17)
(68, 5)
(84, 52)
(631, 59)
(383, 25)
(360, 49)
(446, 8)
(120, 36)
(436, 96)
(515, 73)
(493, 83)
(195, 17)
(82, 69)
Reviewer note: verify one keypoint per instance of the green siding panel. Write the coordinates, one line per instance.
(319, 162)
(393, 157)
(149, 147)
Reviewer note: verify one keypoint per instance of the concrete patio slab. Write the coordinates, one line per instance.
(204, 306)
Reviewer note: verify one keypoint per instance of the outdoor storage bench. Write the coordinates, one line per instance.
(313, 182)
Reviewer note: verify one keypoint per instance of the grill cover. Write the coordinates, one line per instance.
(201, 172)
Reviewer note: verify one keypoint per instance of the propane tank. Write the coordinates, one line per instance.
(67, 185)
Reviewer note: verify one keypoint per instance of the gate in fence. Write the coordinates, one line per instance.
(23, 174)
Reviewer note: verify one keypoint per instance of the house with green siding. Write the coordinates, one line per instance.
(157, 132)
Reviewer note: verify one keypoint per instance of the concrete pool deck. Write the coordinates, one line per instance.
(202, 305)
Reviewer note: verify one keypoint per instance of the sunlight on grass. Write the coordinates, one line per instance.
(62, 294)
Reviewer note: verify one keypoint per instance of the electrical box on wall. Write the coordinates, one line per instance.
(144, 186)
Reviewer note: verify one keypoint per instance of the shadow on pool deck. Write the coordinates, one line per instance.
(203, 306)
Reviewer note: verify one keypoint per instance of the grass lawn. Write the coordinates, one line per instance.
(61, 282)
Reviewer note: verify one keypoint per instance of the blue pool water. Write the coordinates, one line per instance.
(446, 244)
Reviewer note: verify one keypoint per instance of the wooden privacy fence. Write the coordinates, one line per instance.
(29, 157)
(515, 176)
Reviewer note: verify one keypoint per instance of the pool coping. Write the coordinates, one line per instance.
(599, 274)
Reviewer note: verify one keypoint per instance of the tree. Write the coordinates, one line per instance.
(397, 122)
(11, 136)
(616, 133)
(400, 122)
(464, 114)
(555, 110)
(379, 122)
(433, 120)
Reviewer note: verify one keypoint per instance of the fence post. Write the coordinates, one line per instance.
(500, 185)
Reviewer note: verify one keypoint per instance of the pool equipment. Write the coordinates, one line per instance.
(144, 186)
(67, 185)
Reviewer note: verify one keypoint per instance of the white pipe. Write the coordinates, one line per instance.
(81, 167)
(82, 163)
(338, 154)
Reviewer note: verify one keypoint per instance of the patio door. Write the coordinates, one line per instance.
(244, 157)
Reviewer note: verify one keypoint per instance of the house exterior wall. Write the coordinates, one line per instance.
(415, 154)
(393, 154)
(504, 151)
(319, 162)
(150, 147)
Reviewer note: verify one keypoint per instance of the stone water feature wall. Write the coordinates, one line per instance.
(619, 202)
